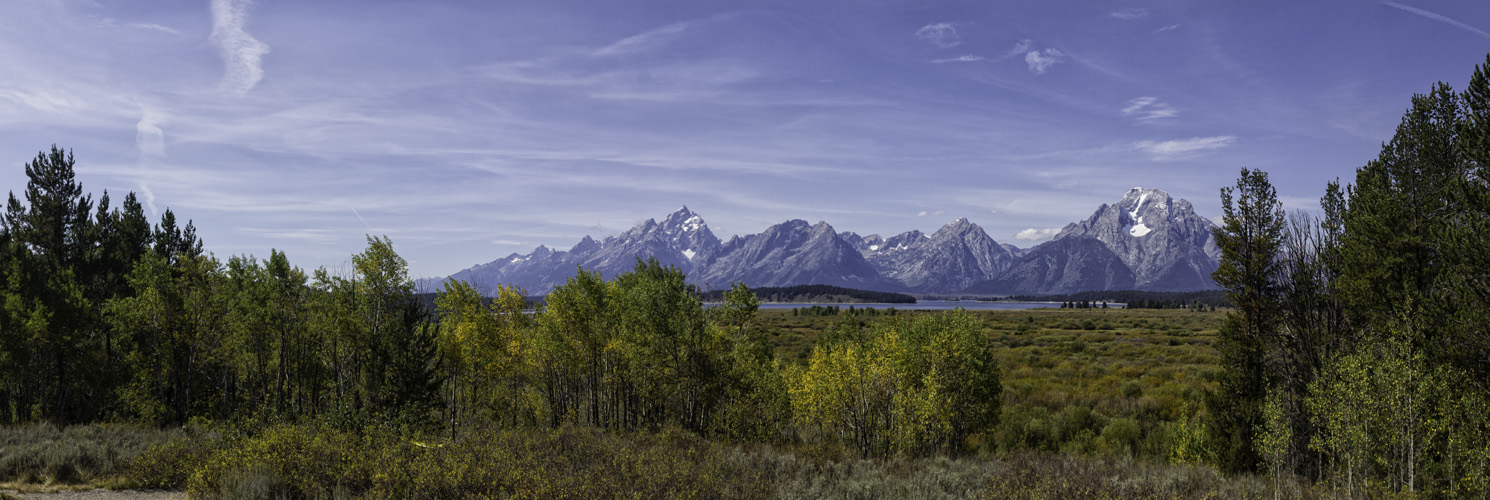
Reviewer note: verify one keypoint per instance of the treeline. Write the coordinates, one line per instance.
(108, 318)
(1155, 304)
(1145, 300)
(822, 310)
(1359, 350)
(820, 293)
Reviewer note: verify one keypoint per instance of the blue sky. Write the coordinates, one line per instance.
(469, 130)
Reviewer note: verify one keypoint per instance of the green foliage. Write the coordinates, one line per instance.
(1250, 240)
(901, 388)
(1190, 440)
(569, 462)
(1274, 439)
(315, 461)
(1383, 308)
(482, 354)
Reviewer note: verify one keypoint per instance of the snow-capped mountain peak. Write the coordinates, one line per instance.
(1147, 240)
(1160, 238)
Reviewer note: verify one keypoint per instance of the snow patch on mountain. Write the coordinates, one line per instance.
(693, 223)
(1139, 228)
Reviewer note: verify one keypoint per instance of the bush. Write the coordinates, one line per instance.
(1122, 435)
(1131, 389)
(312, 461)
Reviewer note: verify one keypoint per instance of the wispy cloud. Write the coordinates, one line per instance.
(155, 27)
(1438, 17)
(1150, 108)
(306, 234)
(942, 35)
(643, 41)
(1167, 28)
(1018, 49)
(149, 198)
(149, 138)
(961, 58)
(55, 101)
(242, 54)
(1033, 234)
(924, 213)
(1181, 149)
(1130, 14)
(1041, 60)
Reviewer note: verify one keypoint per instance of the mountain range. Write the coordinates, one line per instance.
(1145, 241)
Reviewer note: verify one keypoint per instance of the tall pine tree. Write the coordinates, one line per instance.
(1250, 240)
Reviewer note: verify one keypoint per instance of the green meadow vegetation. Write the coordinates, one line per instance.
(1352, 363)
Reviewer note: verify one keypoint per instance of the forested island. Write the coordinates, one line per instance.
(1353, 361)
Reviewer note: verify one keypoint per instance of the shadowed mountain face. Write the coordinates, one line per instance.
(792, 253)
(1065, 265)
(956, 256)
(1146, 241)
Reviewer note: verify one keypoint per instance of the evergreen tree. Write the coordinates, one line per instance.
(52, 236)
(1250, 240)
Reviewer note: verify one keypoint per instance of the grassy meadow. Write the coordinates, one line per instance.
(1090, 403)
(1103, 381)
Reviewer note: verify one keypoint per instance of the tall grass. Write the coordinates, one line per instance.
(313, 461)
(317, 462)
(1032, 476)
(45, 454)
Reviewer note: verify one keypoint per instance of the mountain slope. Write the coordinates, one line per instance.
(1166, 244)
(956, 256)
(792, 253)
(1066, 265)
(1145, 241)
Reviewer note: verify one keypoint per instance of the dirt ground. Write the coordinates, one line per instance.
(94, 495)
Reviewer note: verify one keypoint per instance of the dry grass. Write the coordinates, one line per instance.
(44, 455)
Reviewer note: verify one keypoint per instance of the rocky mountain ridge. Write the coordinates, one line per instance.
(1145, 241)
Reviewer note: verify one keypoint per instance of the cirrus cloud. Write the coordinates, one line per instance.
(1149, 108)
(1181, 149)
(961, 58)
(942, 35)
(1041, 60)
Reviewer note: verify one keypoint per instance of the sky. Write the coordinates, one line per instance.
(468, 130)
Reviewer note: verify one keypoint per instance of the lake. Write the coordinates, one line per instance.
(929, 305)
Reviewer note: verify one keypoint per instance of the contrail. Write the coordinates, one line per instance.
(1438, 17)
(359, 217)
